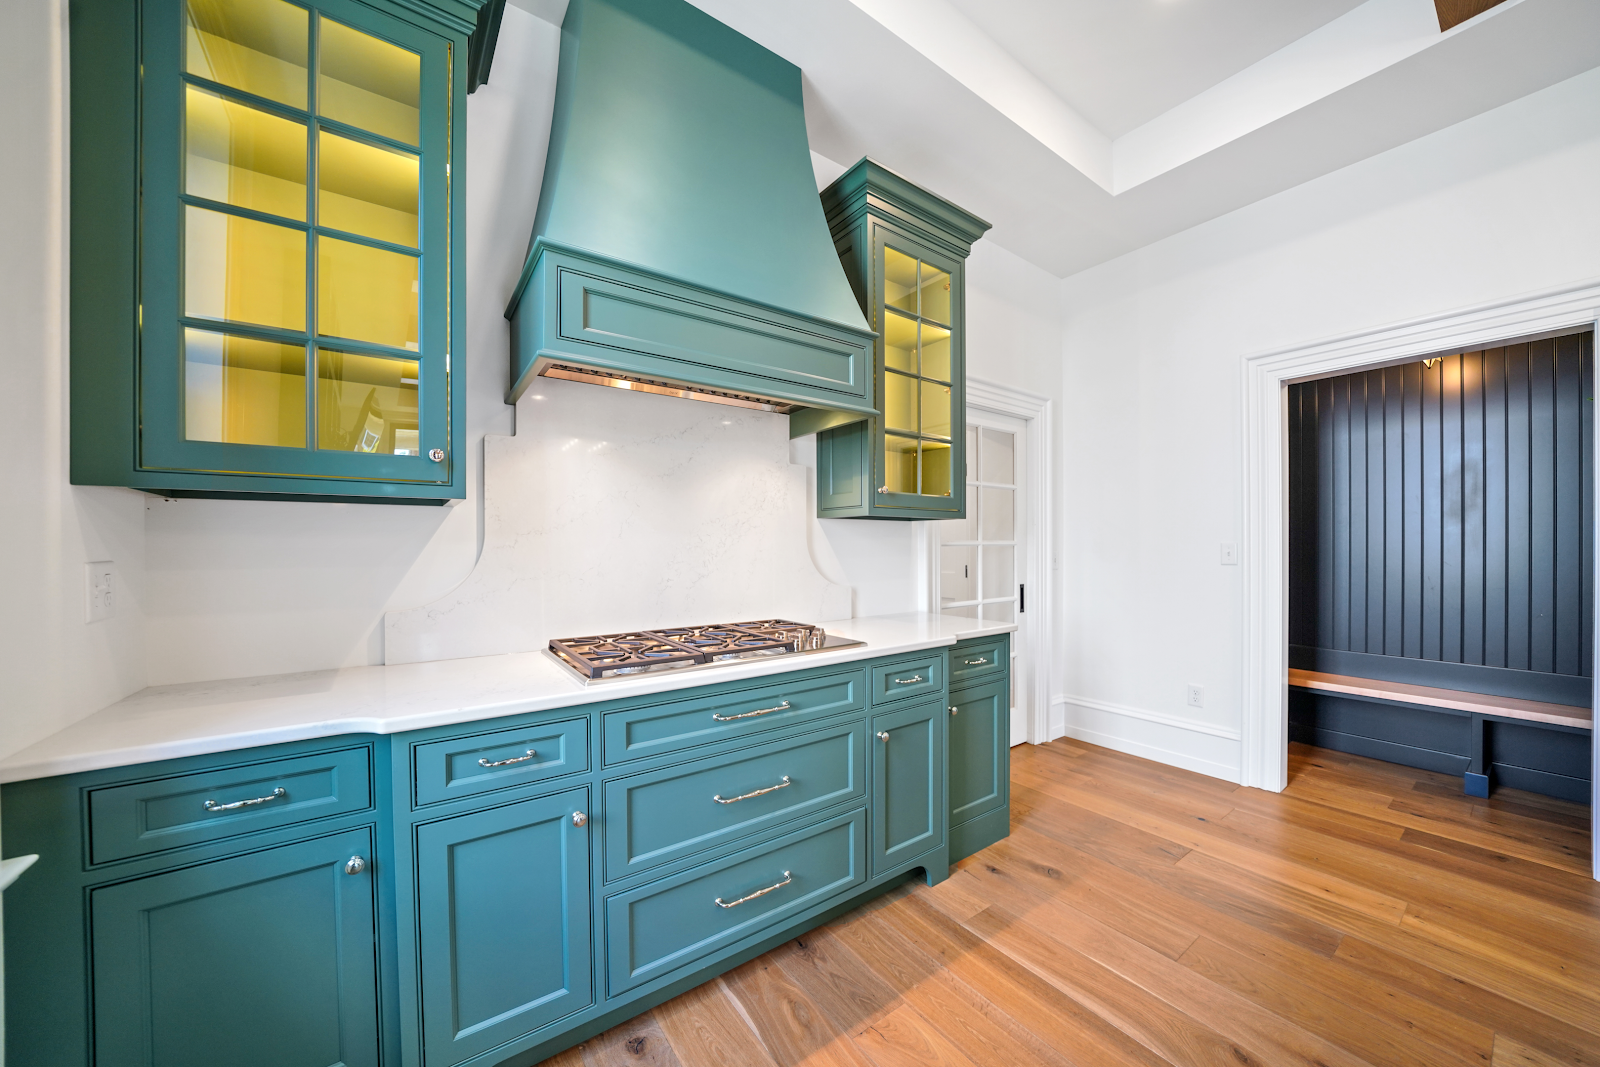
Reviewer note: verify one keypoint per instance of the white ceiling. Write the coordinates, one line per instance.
(1083, 129)
(1120, 63)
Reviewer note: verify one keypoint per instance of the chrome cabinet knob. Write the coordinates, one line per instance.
(579, 818)
(354, 865)
(955, 711)
(884, 737)
(436, 454)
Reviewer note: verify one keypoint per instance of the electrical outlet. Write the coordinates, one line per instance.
(102, 589)
(1230, 554)
(1197, 695)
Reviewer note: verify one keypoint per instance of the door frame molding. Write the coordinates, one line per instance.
(1265, 378)
(1036, 413)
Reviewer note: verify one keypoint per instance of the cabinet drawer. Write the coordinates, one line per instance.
(667, 924)
(479, 763)
(191, 809)
(664, 815)
(908, 678)
(703, 720)
(979, 660)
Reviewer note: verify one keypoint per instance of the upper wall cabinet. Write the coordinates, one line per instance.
(904, 250)
(267, 279)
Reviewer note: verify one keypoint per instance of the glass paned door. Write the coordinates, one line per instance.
(981, 561)
(309, 192)
(917, 375)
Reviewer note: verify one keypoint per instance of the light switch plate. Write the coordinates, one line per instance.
(1230, 554)
(102, 590)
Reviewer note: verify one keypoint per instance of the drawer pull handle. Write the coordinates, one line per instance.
(759, 711)
(785, 784)
(212, 805)
(483, 761)
(908, 681)
(884, 737)
(787, 878)
(980, 661)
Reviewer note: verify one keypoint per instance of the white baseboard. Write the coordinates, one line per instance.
(1199, 747)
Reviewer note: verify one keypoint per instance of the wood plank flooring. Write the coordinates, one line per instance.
(1142, 915)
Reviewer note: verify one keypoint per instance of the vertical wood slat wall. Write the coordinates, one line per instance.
(1444, 514)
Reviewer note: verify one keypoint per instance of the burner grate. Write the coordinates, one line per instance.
(605, 655)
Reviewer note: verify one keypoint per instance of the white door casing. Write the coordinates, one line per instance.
(1266, 378)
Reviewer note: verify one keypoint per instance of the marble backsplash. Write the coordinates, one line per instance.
(610, 510)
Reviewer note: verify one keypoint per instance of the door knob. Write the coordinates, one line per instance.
(354, 865)
(579, 818)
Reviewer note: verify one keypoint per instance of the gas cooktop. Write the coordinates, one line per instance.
(688, 647)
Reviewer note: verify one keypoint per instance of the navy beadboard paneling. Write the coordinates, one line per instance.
(1440, 521)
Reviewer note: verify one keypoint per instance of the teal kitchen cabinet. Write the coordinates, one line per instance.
(264, 960)
(979, 736)
(904, 250)
(503, 924)
(266, 267)
(908, 805)
(445, 897)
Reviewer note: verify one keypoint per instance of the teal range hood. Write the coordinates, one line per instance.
(680, 245)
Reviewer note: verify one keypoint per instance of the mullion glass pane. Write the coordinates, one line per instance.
(258, 46)
(244, 391)
(241, 270)
(368, 83)
(366, 293)
(899, 280)
(999, 457)
(935, 469)
(1003, 611)
(935, 352)
(958, 574)
(367, 190)
(998, 571)
(935, 409)
(900, 343)
(900, 402)
(241, 155)
(367, 404)
(999, 514)
(900, 464)
(935, 288)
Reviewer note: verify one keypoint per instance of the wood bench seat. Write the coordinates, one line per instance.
(1459, 700)
(1484, 710)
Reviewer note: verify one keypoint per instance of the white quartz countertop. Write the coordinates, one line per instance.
(168, 721)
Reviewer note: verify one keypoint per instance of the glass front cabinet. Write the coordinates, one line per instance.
(904, 250)
(266, 247)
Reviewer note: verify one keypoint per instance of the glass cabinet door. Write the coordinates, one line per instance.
(921, 375)
(296, 255)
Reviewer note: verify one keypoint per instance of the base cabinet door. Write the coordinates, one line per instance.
(503, 924)
(980, 722)
(262, 960)
(908, 816)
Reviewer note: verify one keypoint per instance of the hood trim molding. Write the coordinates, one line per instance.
(573, 306)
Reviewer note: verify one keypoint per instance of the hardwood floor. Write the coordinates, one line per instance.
(1138, 914)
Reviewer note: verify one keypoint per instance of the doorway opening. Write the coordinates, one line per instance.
(1441, 564)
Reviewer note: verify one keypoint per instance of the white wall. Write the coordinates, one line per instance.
(55, 666)
(1499, 205)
